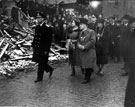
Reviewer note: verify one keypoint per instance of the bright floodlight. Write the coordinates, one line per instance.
(94, 4)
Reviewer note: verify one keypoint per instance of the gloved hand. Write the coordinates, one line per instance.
(80, 46)
(45, 52)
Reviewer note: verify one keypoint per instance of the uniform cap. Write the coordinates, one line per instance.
(40, 15)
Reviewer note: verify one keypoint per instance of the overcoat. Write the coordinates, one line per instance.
(112, 33)
(102, 46)
(130, 90)
(87, 56)
(123, 38)
(73, 49)
(41, 43)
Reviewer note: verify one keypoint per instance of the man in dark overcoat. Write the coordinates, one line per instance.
(87, 52)
(123, 39)
(41, 47)
(130, 90)
(112, 33)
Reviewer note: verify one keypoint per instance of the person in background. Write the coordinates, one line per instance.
(123, 40)
(92, 24)
(64, 34)
(117, 42)
(101, 46)
(87, 52)
(57, 33)
(41, 47)
(130, 89)
(112, 33)
(73, 34)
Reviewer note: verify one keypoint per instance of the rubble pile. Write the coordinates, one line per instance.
(16, 51)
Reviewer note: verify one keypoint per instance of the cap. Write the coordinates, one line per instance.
(40, 15)
(100, 21)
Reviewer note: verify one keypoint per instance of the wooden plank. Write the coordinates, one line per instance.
(1, 32)
(3, 51)
(22, 58)
(7, 33)
(2, 42)
(20, 32)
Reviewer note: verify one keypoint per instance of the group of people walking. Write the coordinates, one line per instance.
(90, 48)
(81, 46)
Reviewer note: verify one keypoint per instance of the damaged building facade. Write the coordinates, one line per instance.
(110, 7)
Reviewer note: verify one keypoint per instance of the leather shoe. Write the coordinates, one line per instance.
(85, 82)
(72, 75)
(125, 74)
(50, 73)
(100, 73)
(37, 80)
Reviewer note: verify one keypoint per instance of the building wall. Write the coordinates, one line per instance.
(120, 8)
(8, 5)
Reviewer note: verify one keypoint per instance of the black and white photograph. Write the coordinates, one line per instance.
(67, 53)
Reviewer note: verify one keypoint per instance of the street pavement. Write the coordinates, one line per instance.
(62, 90)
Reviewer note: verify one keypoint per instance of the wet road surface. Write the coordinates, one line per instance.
(65, 91)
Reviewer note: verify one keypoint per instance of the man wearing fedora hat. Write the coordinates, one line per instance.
(41, 47)
(87, 53)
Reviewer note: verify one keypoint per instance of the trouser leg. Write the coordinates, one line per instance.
(48, 68)
(88, 73)
(99, 67)
(40, 71)
(130, 94)
(73, 71)
(82, 69)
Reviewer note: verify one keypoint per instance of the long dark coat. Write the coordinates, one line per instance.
(130, 90)
(117, 42)
(41, 43)
(87, 38)
(123, 38)
(112, 33)
(73, 53)
(102, 46)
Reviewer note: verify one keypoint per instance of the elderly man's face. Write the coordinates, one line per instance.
(82, 26)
